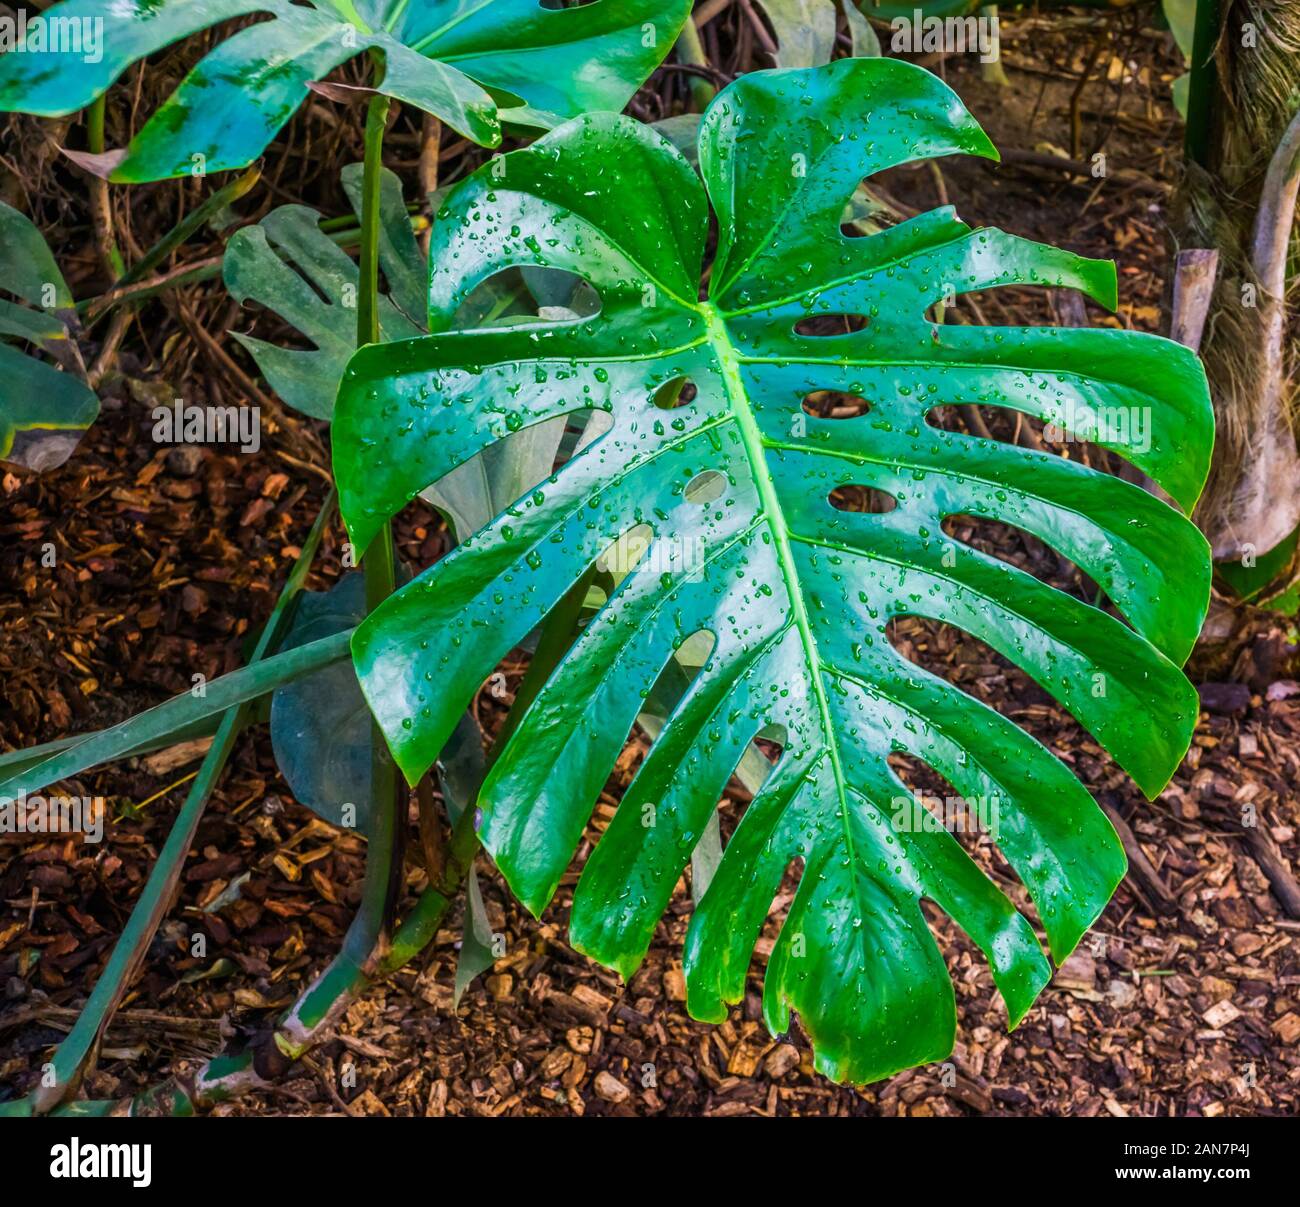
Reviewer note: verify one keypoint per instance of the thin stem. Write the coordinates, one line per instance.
(368, 291)
(101, 209)
(367, 936)
(216, 200)
(691, 50)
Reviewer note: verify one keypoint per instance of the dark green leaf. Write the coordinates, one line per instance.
(320, 726)
(797, 595)
(289, 265)
(475, 955)
(43, 409)
(456, 59)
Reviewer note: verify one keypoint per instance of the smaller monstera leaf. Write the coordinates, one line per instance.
(735, 480)
(456, 59)
(289, 265)
(43, 409)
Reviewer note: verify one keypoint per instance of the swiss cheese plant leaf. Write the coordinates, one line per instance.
(796, 595)
(288, 264)
(43, 409)
(456, 59)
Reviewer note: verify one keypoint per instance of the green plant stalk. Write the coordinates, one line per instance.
(73, 1054)
(330, 996)
(379, 566)
(99, 188)
(691, 50)
(367, 937)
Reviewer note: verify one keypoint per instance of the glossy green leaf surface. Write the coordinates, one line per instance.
(456, 59)
(797, 595)
(43, 409)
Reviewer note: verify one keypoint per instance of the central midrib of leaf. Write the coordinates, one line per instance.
(755, 446)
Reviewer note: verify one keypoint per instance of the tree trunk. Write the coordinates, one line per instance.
(1238, 197)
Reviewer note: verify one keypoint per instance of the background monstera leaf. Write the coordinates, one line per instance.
(455, 59)
(797, 595)
(288, 264)
(43, 410)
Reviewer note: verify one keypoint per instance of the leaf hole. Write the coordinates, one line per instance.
(1006, 425)
(621, 556)
(833, 404)
(679, 392)
(1022, 549)
(581, 429)
(771, 741)
(976, 668)
(706, 487)
(824, 326)
(931, 804)
(521, 296)
(861, 498)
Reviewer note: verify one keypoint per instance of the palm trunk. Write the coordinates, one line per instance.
(1239, 198)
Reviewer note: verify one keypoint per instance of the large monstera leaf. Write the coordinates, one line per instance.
(456, 59)
(797, 595)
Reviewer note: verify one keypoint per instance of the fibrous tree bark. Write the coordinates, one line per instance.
(1239, 198)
